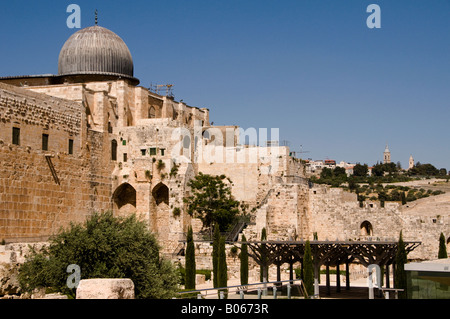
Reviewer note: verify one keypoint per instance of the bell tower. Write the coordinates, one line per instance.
(411, 162)
(386, 155)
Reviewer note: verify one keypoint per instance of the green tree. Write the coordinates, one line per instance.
(339, 172)
(244, 262)
(211, 201)
(424, 170)
(403, 197)
(190, 261)
(442, 247)
(103, 247)
(308, 270)
(215, 255)
(360, 170)
(222, 266)
(263, 274)
(400, 274)
(352, 185)
(326, 173)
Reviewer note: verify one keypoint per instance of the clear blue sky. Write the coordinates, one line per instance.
(312, 68)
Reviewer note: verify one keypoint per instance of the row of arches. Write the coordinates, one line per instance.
(124, 197)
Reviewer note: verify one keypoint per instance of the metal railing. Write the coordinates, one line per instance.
(261, 288)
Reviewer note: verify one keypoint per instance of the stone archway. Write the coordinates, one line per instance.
(161, 194)
(366, 228)
(124, 199)
(161, 211)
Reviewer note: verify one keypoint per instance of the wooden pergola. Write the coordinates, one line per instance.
(328, 253)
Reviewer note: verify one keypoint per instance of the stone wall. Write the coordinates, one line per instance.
(34, 202)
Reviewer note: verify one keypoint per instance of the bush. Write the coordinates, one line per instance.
(103, 247)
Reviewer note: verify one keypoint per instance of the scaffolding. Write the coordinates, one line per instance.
(162, 89)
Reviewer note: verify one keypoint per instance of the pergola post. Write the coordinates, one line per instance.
(291, 271)
(316, 277)
(328, 278)
(347, 275)
(278, 271)
(388, 284)
(338, 278)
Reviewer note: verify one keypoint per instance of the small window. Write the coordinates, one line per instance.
(143, 152)
(16, 136)
(70, 146)
(125, 157)
(124, 142)
(113, 150)
(45, 142)
(153, 151)
(162, 151)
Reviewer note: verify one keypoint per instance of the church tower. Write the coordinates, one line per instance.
(411, 162)
(386, 155)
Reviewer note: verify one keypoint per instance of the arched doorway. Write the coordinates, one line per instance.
(366, 228)
(161, 194)
(124, 199)
(160, 211)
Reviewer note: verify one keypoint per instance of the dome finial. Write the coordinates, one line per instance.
(96, 17)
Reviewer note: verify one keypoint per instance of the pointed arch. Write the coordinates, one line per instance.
(124, 199)
(161, 194)
(366, 228)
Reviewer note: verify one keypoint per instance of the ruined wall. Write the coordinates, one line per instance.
(336, 214)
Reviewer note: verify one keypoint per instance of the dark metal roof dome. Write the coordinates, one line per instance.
(95, 50)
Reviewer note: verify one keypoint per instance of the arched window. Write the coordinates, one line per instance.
(151, 112)
(113, 150)
(366, 228)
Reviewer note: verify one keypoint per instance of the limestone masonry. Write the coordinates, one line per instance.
(94, 140)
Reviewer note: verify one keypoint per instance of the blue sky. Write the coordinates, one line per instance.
(312, 68)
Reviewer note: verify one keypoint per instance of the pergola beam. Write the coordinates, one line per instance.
(330, 253)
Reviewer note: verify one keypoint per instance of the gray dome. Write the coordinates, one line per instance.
(95, 50)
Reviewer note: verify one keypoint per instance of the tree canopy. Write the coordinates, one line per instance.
(103, 247)
(211, 201)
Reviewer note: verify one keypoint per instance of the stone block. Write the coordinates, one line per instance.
(105, 288)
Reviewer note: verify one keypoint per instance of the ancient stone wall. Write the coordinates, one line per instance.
(43, 190)
(335, 214)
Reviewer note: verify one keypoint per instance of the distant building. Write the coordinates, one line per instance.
(330, 163)
(411, 162)
(386, 155)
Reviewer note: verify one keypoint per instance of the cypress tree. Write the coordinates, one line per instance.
(215, 255)
(400, 274)
(442, 248)
(190, 261)
(308, 270)
(222, 266)
(403, 198)
(263, 256)
(244, 262)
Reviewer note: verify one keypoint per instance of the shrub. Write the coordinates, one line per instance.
(103, 247)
